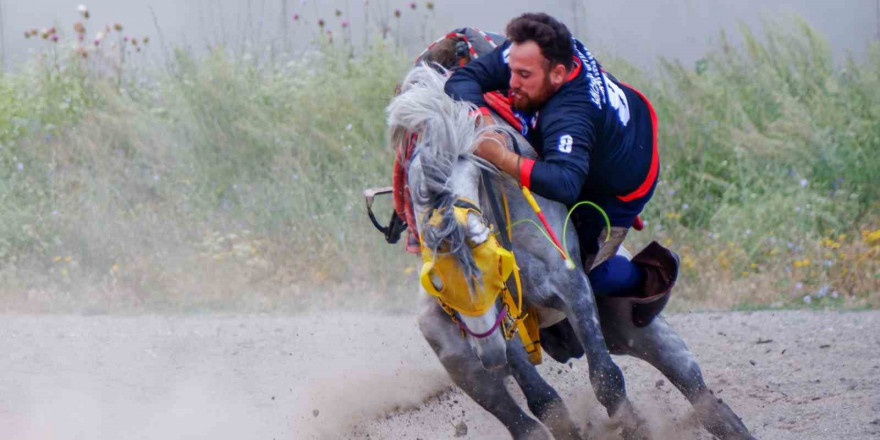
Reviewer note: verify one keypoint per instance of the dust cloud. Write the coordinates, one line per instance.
(218, 377)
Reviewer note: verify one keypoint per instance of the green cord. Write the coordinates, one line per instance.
(565, 226)
(546, 235)
(601, 211)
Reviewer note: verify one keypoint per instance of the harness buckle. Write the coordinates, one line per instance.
(396, 225)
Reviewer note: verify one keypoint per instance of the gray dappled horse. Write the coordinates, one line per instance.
(442, 170)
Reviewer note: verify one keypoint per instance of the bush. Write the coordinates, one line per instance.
(233, 180)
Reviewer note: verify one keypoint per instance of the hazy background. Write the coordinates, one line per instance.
(636, 30)
(220, 166)
(227, 177)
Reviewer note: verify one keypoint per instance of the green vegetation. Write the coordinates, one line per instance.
(770, 170)
(234, 181)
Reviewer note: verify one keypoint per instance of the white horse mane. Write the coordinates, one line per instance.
(447, 128)
(447, 134)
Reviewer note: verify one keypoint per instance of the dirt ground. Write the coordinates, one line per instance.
(789, 375)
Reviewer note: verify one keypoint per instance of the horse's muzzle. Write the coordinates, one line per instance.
(442, 277)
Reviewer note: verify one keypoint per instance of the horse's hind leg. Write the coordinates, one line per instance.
(659, 345)
(486, 387)
(542, 399)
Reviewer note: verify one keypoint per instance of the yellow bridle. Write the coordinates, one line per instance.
(496, 265)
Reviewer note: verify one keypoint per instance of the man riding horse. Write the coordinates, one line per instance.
(590, 138)
(595, 140)
(591, 147)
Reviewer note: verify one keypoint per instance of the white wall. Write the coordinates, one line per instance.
(638, 30)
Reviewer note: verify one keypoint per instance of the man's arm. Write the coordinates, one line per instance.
(565, 159)
(487, 73)
(564, 165)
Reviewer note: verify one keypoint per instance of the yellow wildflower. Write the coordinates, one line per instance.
(830, 244)
(688, 262)
(873, 238)
(802, 263)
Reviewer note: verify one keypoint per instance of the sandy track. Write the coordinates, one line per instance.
(344, 375)
(789, 375)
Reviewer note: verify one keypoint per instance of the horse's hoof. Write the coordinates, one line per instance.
(720, 420)
(633, 426)
(635, 433)
(557, 419)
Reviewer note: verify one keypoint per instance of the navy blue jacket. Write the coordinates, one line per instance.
(594, 136)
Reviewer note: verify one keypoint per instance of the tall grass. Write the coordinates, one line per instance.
(229, 181)
(769, 151)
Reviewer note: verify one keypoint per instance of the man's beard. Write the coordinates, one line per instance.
(531, 104)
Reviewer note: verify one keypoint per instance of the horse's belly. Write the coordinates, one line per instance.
(548, 317)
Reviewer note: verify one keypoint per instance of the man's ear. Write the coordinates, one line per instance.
(557, 74)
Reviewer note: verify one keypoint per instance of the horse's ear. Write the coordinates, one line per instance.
(397, 89)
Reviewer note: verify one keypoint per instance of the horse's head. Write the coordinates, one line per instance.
(465, 268)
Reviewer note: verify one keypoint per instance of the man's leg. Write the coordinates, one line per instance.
(617, 276)
(597, 242)
(605, 249)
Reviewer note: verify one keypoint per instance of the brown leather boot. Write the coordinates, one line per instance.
(661, 271)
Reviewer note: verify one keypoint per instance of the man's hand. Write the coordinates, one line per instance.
(493, 149)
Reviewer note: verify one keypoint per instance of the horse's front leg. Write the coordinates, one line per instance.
(660, 345)
(486, 387)
(542, 399)
(605, 376)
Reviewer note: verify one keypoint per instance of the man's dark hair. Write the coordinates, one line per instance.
(552, 37)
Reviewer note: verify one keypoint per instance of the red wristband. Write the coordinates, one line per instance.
(525, 172)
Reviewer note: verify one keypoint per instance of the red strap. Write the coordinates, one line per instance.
(402, 201)
(397, 184)
(487, 37)
(655, 158)
(480, 111)
(525, 172)
(501, 105)
(638, 224)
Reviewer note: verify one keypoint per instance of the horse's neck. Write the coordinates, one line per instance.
(502, 183)
(525, 147)
(555, 212)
